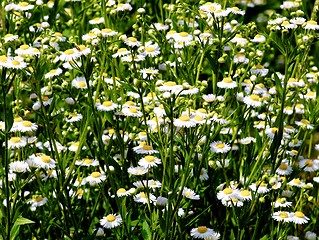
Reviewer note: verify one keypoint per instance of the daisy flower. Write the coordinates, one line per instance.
(148, 73)
(227, 194)
(19, 167)
(37, 201)
(190, 194)
(234, 201)
(111, 221)
(219, 147)
(74, 146)
(17, 142)
(144, 198)
(203, 232)
(184, 121)
(281, 202)
(121, 52)
(227, 83)
(144, 149)
(87, 162)
(122, 192)
(149, 161)
(131, 112)
(309, 165)
(74, 117)
(123, 7)
(311, 25)
(252, 101)
(299, 218)
(259, 187)
(41, 160)
(106, 106)
(107, 32)
(16, 63)
(203, 175)
(137, 171)
(282, 216)
(296, 182)
(80, 83)
(132, 42)
(70, 55)
(97, 20)
(284, 168)
(170, 86)
(150, 50)
(53, 73)
(95, 178)
(10, 37)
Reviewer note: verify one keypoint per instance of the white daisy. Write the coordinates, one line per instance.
(203, 232)
(111, 221)
(149, 161)
(220, 147)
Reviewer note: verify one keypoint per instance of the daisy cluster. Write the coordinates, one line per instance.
(191, 120)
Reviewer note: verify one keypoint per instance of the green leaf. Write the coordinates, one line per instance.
(22, 221)
(9, 117)
(278, 84)
(146, 232)
(16, 226)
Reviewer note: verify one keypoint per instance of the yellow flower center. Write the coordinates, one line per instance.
(149, 49)
(15, 63)
(297, 181)
(38, 199)
(24, 47)
(45, 159)
(133, 110)
(110, 218)
(111, 131)
(130, 103)
(202, 229)
(132, 39)
(183, 34)
(23, 4)
(107, 103)
(122, 50)
(53, 71)
(299, 214)
(304, 121)
(149, 158)
(227, 80)
(58, 34)
(228, 191)
(18, 119)
(309, 163)
(170, 84)
(147, 147)
(220, 145)
(8, 35)
(143, 195)
(283, 215)
(15, 139)
(312, 22)
(283, 166)
(106, 30)
(198, 118)
(81, 84)
(26, 123)
(184, 118)
(3, 58)
(121, 190)
(95, 174)
(274, 130)
(245, 193)
(254, 97)
(87, 161)
(69, 52)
